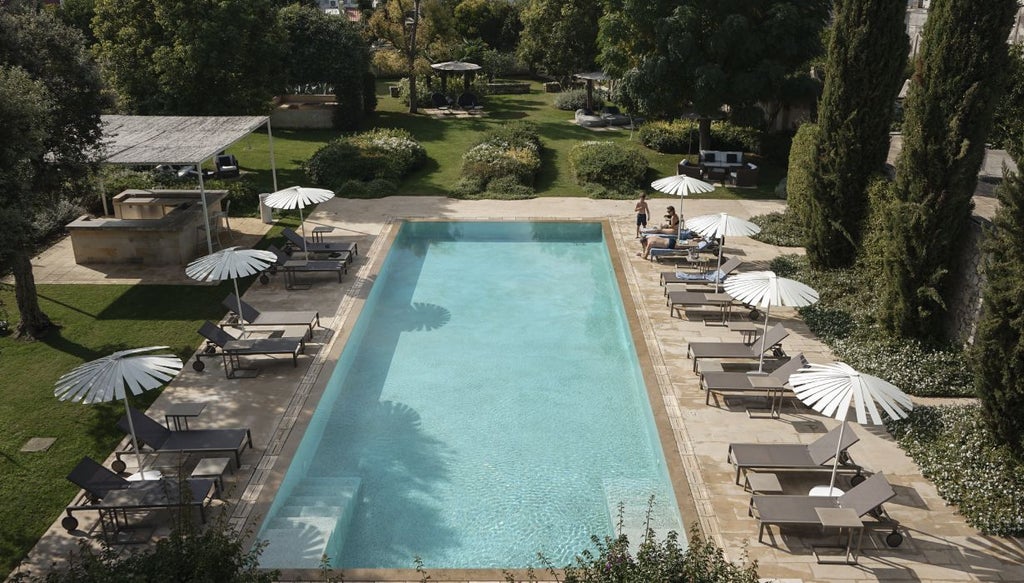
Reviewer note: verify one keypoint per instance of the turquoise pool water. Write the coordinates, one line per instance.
(489, 405)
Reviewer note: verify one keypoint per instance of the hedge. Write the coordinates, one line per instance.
(607, 164)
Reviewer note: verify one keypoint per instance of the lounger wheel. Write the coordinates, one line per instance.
(69, 523)
(894, 539)
(118, 466)
(856, 480)
(754, 315)
(198, 365)
(264, 278)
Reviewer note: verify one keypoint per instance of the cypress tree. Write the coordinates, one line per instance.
(867, 51)
(999, 341)
(957, 82)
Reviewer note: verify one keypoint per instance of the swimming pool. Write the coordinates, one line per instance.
(488, 405)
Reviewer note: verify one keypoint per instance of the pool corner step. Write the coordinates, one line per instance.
(312, 522)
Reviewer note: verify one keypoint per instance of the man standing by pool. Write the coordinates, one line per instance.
(641, 213)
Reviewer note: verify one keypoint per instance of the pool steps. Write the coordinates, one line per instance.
(313, 519)
(634, 494)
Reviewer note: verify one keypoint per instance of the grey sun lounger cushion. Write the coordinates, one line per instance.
(866, 497)
(710, 277)
(795, 456)
(346, 251)
(338, 266)
(717, 382)
(153, 435)
(254, 317)
(688, 299)
(105, 489)
(737, 350)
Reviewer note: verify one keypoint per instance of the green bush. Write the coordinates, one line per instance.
(380, 187)
(845, 319)
(782, 229)
(956, 451)
(670, 137)
(726, 136)
(608, 164)
(423, 92)
(379, 153)
(799, 181)
(576, 99)
(509, 188)
(510, 152)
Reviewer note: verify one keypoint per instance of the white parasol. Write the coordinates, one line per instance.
(830, 389)
(764, 289)
(682, 185)
(231, 263)
(298, 197)
(114, 376)
(719, 226)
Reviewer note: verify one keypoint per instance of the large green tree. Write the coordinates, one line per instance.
(698, 56)
(203, 57)
(560, 36)
(867, 53)
(1008, 123)
(958, 79)
(999, 341)
(495, 22)
(65, 120)
(327, 49)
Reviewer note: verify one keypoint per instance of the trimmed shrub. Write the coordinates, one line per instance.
(608, 164)
(670, 137)
(510, 152)
(576, 99)
(423, 92)
(380, 187)
(799, 179)
(956, 450)
(379, 153)
(727, 136)
(509, 188)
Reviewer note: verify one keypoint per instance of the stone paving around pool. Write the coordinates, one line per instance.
(939, 546)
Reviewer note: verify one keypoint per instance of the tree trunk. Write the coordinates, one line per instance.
(34, 323)
(704, 133)
(412, 56)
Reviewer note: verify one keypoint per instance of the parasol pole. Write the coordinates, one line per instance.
(135, 440)
(764, 333)
(238, 296)
(839, 448)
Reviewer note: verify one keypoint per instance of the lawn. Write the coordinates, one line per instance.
(446, 139)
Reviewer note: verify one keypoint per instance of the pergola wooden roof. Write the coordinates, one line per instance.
(141, 140)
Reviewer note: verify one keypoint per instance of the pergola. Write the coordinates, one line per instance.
(143, 140)
(451, 67)
(590, 78)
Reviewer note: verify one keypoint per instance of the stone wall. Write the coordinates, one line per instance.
(965, 302)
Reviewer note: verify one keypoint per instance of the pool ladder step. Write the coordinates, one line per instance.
(313, 520)
(634, 495)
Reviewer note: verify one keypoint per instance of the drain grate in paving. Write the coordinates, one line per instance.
(38, 444)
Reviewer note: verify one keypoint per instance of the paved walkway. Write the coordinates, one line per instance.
(278, 404)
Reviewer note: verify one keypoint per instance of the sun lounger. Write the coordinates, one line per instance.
(112, 496)
(292, 266)
(867, 497)
(795, 456)
(155, 437)
(679, 300)
(256, 318)
(682, 248)
(345, 251)
(709, 278)
(233, 348)
(739, 350)
(770, 385)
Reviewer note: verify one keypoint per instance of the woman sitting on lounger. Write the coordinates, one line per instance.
(671, 224)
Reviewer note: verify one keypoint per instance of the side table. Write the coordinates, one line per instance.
(762, 483)
(178, 414)
(212, 468)
(318, 233)
(840, 518)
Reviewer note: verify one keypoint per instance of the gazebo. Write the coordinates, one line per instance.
(449, 67)
(590, 78)
(144, 140)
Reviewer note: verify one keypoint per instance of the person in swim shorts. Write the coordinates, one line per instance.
(642, 211)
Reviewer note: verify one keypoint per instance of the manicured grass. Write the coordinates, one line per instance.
(446, 139)
(95, 321)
